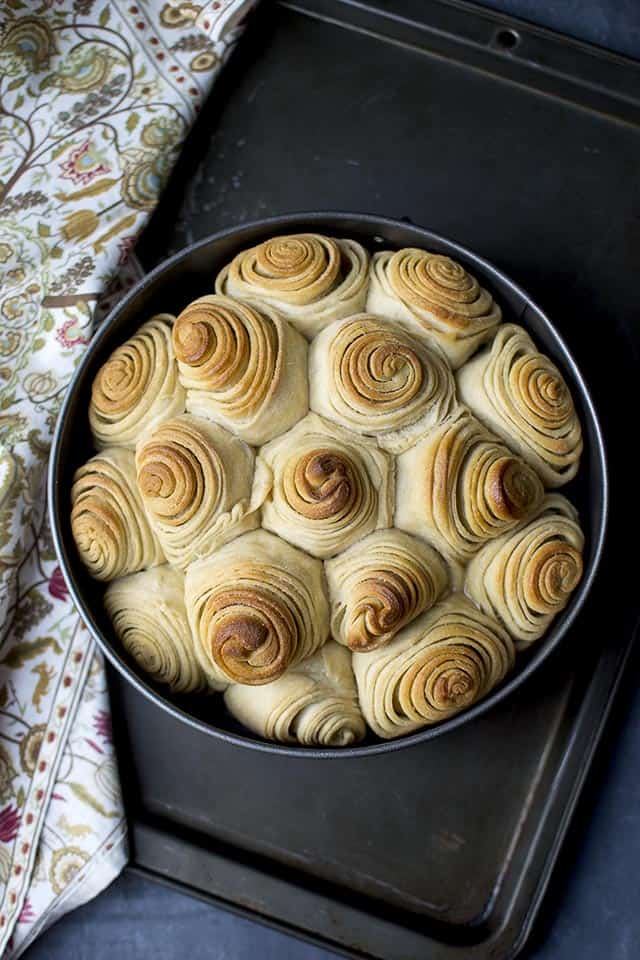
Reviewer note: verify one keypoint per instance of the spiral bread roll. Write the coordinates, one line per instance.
(242, 366)
(525, 578)
(137, 387)
(310, 279)
(521, 395)
(314, 703)
(322, 488)
(195, 480)
(433, 295)
(460, 486)
(148, 614)
(257, 607)
(442, 663)
(421, 489)
(108, 522)
(379, 585)
(374, 378)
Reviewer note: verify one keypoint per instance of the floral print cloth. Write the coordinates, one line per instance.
(96, 98)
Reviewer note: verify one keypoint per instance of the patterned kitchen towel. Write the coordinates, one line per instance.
(96, 98)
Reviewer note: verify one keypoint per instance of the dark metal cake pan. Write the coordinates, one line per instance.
(190, 274)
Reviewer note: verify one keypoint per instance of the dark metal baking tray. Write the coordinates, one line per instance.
(528, 154)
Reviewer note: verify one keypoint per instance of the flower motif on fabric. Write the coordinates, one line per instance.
(102, 726)
(94, 103)
(40, 384)
(84, 164)
(30, 747)
(179, 14)
(79, 225)
(162, 132)
(143, 181)
(72, 332)
(86, 68)
(22, 309)
(9, 823)
(57, 586)
(29, 40)
(7, 775)
(65, 864)
(10, 343)
(27, 914)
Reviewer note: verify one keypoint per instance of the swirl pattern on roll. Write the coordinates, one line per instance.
(195, 480)
(372, 377)
(381, 584)
(521, 395)
(137, 387)
(526, 577)
(148, 614)
(460, 486)
(310, 279)
(444, 662)
(315, 703)
(256, 607)
(108, 522)
(242, 366)
(435, 296)
(322, 488)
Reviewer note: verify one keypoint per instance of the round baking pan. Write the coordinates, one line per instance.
(190, 274)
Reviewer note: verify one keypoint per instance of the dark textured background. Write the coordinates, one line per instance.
(592, 908)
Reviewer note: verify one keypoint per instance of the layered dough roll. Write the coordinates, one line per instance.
(526, 577)
(148, 614)
(433, 295)
(108, 521)
(137, 387)
(373, 377)
(443, 662)
(460, 486)
(195, 479)
(314, 703)
(379, 585)
(521, 394)
(322, 487)
(257, 607)
(309, 278)
(243, 366)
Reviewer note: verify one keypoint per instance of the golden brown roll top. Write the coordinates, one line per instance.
(374, 378)
(433, 295)
(257, 607)
(459, 487)
(137, 387)
(195, 481)
(526, 577)
(322, 488)
(445, 661)
(242, 366)
(381, 584)
(108, 521)
(314, 703)
(148, 614)
(310, 279)
(521, 395)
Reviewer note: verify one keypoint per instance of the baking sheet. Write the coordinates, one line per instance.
(529, 155)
